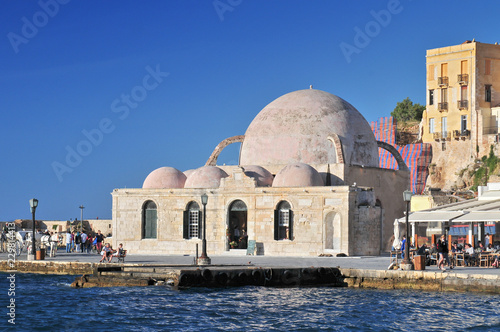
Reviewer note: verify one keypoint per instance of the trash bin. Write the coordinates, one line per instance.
(419, 262)
(40, 254)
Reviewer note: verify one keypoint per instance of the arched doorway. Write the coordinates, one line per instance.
(237, 225)
(332, 231)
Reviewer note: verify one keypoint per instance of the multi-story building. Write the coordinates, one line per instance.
(463, 82)
(463, 102)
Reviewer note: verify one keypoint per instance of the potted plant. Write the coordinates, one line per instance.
(233, 244)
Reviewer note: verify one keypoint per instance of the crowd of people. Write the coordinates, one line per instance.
(441, 251)
(77, 241)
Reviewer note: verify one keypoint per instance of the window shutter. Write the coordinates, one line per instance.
(290, 225)
(154, 221)
(185, 228)
(200, 224)
(276, 225)
(147, 225)
(143, 224)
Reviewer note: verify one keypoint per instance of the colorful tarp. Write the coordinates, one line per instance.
(416, 156)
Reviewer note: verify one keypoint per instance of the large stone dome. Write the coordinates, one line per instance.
(300, 127)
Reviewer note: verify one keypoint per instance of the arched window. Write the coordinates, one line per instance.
(283, 222)
(149, 220)
(192, 221)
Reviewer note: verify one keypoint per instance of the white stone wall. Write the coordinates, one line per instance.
(310, 207)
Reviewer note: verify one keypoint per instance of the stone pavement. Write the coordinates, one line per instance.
(364, 262)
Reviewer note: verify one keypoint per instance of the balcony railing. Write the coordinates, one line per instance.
(443, 135)
(461, 134)
(463, 79)
(493, 130)
(443, 106)
(443, 81)
(462, 104)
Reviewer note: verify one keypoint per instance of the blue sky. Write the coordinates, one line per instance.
(97, 94)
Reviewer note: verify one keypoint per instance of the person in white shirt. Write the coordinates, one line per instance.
(68, 241)
(84, 237)
(470, 255)
(54, 239)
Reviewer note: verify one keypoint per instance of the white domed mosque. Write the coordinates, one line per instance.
(308, 183)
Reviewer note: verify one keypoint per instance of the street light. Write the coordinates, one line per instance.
(33, 205)
(81, 218)
(407, 198)
(204, 259)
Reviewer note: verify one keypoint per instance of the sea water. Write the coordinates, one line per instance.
(48, 303)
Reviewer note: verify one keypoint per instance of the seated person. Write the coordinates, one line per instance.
(107, 253)
(495, 263)
(481, 247)
(422, 250)
(454, 248)
(470, 255)
(120, 252)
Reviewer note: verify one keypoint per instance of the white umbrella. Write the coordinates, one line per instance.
(397, 242)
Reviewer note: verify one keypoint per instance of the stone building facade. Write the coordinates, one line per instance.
(462, 107)
(307, 183)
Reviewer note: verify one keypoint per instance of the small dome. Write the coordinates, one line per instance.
(298, 175)
(262, 176)
(205, 177)
(165, 177)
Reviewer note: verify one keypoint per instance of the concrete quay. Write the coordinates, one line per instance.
(235, 270)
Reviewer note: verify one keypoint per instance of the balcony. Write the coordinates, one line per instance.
(462, 104)
(463, 79)
(461, 134)
(443, 81)
(442, 136)
(443, 107)
(492, 130)
(446, 136)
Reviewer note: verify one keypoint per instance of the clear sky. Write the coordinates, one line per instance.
(97, 94)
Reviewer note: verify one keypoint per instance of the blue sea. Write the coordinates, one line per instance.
(48, 303)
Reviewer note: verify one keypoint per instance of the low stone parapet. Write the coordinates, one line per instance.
(48, 267)
(420, 280)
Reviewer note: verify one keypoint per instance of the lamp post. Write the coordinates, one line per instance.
(204, 259)
(81, 217)
(407, 265)
(33, 205)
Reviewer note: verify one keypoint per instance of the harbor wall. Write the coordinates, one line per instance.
(101, 275)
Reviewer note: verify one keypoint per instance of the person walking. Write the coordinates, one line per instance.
(99, 238)
(78, 241)
(72, 241)
(403, 246)
(83, 237)
(54, 239)
(442, 248)
(68, 241)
